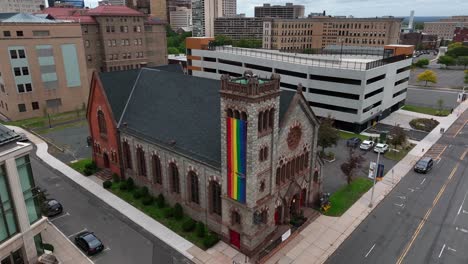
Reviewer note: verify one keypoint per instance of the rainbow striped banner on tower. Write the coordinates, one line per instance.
(236, 158)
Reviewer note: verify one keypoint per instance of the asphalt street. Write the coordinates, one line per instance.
(428, 97)
(125, 242)
(425, 217)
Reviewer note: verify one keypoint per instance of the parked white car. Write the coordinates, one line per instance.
(366, 145)
(382, 148)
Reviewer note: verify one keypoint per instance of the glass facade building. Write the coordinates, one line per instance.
(8, 226)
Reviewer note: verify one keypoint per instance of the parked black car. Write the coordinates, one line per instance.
(353, 142)
(89, 243)
(424, 165)
(52, 207)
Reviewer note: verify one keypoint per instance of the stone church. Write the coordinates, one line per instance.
(238, 154)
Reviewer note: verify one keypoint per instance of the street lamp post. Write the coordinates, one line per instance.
(375, 178)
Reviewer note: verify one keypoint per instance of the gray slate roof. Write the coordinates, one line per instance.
(177, 111)
(25, 18)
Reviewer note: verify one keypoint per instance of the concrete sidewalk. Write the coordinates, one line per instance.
(64, 249)
(403, 118)
(220, 253)
(323, 236)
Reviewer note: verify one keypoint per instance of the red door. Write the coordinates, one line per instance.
(235, 238)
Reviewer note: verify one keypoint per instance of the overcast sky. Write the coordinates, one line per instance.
(362, 8)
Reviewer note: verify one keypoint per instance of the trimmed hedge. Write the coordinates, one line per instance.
(147, 199)
(210, 240)
(160, 202)
(130, 184)
(200, 229)
(188, 225)
(107, 184)
(178, 211)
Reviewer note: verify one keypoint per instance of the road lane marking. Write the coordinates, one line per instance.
(460, 129)
(451, 249)
(442, 152)
(370, 250)
(402, 197)
(426, 216)
(462, 157)
(461, 206)
(400, 205)
(74, 234)
(437, 162)
(461, 229)
(58, 217)
(412, 190)
(423, 181)
(441, 251)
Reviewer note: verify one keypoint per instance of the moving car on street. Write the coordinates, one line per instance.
(366, 145)
(89, 243)
(52, 207)
(353, 142)
(380, 148)
(424, 165)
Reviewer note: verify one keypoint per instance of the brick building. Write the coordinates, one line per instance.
(444, 28)
(419, 40)
(460, 34)
(117, 37)
(43, 68)
(237, 154)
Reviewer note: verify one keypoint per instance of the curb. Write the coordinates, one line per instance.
(48, 141)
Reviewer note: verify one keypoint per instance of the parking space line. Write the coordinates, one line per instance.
(370, 250)
(442, 251)
(58, 217)
(74, 234)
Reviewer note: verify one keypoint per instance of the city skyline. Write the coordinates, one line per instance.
(358, 8)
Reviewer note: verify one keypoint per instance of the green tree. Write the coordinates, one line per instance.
(422, 62)
(351, 165)
(462, 60)
(221, 40)
(172, 50)
(458, 52)
(454, 45)
(397, 136)
(427, 76)
(419, 26)
(446, 60)
(327, 135)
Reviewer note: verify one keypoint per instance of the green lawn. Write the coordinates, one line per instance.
(157, 213)
(398, 155)
(347, 135)
(79, 166)
(426, 110)
(347, 195)
(43, 121)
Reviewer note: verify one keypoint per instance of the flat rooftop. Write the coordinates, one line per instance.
(359, 62)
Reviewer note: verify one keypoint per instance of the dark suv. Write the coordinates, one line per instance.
(424, 165)
(353, 142)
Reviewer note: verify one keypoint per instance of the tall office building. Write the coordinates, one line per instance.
(21, 222)
(238, 28)
(229, 8)
(276, 11)
(203, 14)
(25, 6)
(43, 67)
(181, 18)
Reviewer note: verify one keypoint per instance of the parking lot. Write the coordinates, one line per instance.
(334, 177)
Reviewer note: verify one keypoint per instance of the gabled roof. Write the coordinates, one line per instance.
(173, 110)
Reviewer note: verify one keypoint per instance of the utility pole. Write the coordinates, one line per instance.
(375, 179)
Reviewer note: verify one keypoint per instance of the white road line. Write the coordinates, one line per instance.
(370, 250)
(58, 217)
(74, 234)
(412, 190)
(451, 249)
(461, 206)
(438, 160)
(462, 230)
(423, 181)
(402, 197)
(400, 205)
(441, 251)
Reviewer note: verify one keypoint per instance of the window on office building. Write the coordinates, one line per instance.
(19, 34)
(28, 186)
(7, 214)
(6, 33)
(22, 108)
(35, 105)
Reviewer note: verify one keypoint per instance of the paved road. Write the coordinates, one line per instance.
(125, 242)
(429, 97)
(424, 219)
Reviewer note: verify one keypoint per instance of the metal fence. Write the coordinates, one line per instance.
(341, 63)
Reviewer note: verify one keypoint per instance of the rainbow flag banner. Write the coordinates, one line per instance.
(236, 158)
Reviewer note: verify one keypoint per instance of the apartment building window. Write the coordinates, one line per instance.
(35, 105)
(127, 42)
(25, 70)
(89, 58)
(135, 41)
(109, 43)
(6, 33)
(28, 87)
(17, 71)
(113, 42)
(121, 28)
(21, 54)
(112, 29)
(22, 108)
(108, 29)
(19, 33)
(125, 28)
(7, 214)
(87, 43)
(138, 29)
